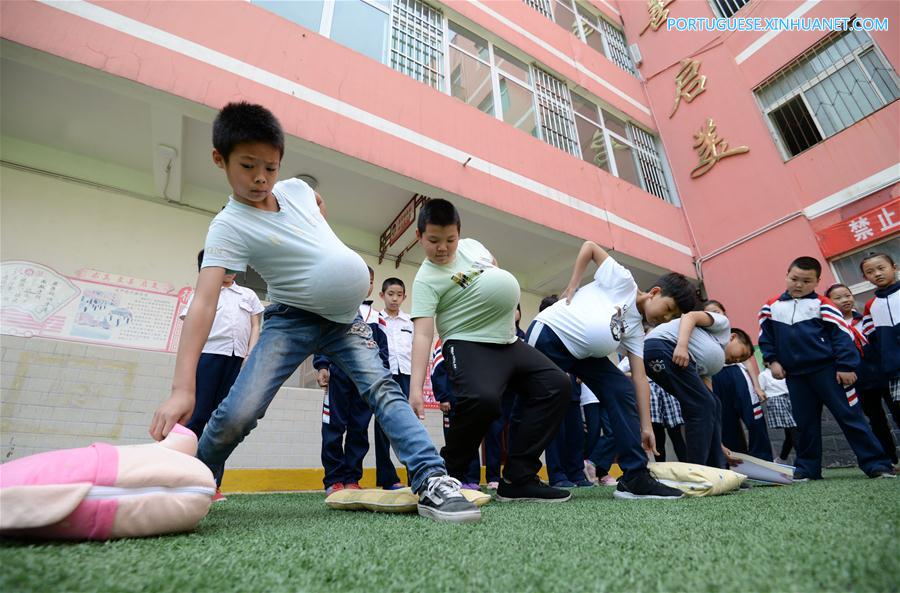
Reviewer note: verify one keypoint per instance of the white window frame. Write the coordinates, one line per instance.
(496, 71)
(442, 74)
(608, 134)
(865, 285)
(801, 90)
(574, 6)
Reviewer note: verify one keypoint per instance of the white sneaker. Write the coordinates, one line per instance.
(441, 500)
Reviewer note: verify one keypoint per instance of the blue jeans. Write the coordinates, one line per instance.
(288, 337)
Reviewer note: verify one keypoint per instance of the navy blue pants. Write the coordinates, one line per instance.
(496, 441)
(599, 445)
(613, 389)
(385, 472)
(700, 408)
(345, 430)
(734, 393)
(216, 374)
(809, 392)
(565, 460)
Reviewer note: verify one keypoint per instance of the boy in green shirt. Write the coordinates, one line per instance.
(473, 301)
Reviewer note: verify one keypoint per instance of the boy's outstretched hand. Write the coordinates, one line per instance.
(418, 404)
(846, 378)
(648, 442)
(175, 410)
(681, 356)
(777, 370)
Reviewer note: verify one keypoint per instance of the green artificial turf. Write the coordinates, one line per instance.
(840, 534)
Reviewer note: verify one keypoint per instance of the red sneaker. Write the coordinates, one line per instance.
(336, 487)
(352, 486)
(218, 496)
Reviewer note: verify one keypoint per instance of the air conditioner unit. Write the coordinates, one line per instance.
(635, 54)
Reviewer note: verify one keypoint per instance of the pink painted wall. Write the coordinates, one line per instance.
(295, 54)
(744, 193)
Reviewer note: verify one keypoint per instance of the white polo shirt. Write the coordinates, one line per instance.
(230, 332)
(399, 332)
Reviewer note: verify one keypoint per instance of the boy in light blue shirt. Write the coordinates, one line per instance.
(280, 230)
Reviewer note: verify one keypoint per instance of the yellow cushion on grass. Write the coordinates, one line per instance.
(696, 480)
(388, 501)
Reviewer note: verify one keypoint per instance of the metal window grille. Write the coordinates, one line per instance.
(556, 115)
(835, 84)
(618, 47)
(417, 41)
(542, 6)
(727, 8)
(649, 163)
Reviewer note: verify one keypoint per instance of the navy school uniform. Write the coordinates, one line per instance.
(731, 385)
(565, 453)
(443, 392)
(345, 412)
(874, 387)
(700, 407)
(881, 327)
(810, 339)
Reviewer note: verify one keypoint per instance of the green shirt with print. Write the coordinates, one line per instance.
(471, 299)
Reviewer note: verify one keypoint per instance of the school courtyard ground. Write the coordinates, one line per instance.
(840, 534)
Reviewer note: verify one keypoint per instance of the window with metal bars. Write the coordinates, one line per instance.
(555, 112)
(836, 83)
(621, 148)
(590, 27)
(542, 6)
(417, 41)
(727, 8)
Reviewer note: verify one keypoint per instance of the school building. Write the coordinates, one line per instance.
(719, 152)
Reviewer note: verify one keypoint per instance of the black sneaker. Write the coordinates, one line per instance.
(644, 487)
(884, 475)
(441, 500)
(533, 491)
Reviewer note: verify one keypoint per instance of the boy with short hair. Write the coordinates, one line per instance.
(804, 338)
(588, 324)
(345, 412)
(681, 356)
(280, 230)
(399, 330)
(473, 302)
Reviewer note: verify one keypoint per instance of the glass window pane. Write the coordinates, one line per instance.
(307, 13)
(518, 106)
(470, 81)
(881, 74)
(625, 162)
(361, 27)
(847, 268)
(593, 148)
(585, 108)
(512, 66)
(468, 41)
(614, 124)
(564, 17)
(842, 99)
(592, 37)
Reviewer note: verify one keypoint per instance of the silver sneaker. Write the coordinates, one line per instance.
(441, 500)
